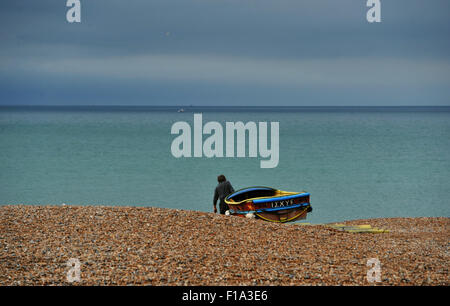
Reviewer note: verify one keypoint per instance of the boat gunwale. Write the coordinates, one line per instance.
(290, 194)
(270, 209)
(281, 198)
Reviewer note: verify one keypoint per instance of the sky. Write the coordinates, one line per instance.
(225, 52)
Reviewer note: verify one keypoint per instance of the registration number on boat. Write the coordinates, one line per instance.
(283, 203)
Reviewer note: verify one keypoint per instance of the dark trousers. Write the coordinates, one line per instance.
(223, 207)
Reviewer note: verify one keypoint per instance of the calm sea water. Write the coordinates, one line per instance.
(356, 163)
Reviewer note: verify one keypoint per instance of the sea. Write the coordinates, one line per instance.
(356, 162)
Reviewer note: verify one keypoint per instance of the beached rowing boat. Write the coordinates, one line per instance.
(269, 204)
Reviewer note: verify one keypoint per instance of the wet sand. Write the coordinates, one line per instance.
(158, 246)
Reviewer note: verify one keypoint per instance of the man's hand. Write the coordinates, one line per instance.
(215, 209)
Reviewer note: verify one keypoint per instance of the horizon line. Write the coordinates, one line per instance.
(217, 106)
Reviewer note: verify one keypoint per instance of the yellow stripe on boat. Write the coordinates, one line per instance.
(293, 218)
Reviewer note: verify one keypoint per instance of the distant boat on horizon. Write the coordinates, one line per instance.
(181, 110)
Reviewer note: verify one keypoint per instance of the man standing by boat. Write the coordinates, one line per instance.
(223, 189)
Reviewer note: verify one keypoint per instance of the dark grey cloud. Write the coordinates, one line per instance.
(257, 52)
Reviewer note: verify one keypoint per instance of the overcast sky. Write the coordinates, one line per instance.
(225, 52)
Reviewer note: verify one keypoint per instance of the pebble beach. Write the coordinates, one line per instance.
(159, 246)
